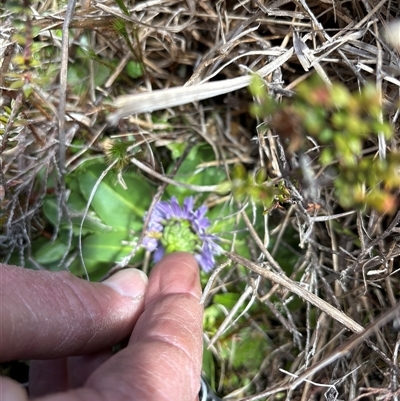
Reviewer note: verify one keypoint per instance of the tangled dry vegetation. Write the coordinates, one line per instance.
(344, 277)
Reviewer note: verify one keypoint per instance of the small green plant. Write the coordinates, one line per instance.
(342, 124)
(103, 217)
(258, 187)
(28, 72)
(134, 68)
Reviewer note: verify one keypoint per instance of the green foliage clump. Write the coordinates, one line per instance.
(258, 187)
(343, 124)
(104, 221)
(28, 72)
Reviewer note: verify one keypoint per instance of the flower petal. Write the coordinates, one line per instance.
(158, 254)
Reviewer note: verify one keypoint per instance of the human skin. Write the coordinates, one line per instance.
(68, 326)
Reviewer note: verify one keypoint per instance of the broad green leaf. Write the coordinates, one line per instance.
(94, 269)
(17, 84)
(250, 351)
(51, 252)
(228, 299)
(76, 201)
(226, 225)
(122, 209)
(90, 224)
(193, 171)
(107, 247)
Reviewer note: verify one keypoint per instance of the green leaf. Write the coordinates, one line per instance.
(76, 201)
(225, 224)
(119, 208)
(208, 366)
(91, 223)
(227, 299)
(107, 247)
(51, 252)
(177, 149)
(250, 352)
(193, 172)
(27, 90)
(17, 84)
(257, 87)
(102, 73)
(213, 316)
(134, 69)
(20, 39)
(326, 156)
(95, 270)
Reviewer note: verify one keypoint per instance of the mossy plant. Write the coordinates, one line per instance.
(341, 123)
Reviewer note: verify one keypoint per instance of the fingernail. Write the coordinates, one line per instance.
(128, 282)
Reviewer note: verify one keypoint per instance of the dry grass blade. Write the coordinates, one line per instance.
(294, 287)
(165, 98)
(178, 28)
(342, 351)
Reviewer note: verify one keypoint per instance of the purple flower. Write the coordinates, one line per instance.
(174, 228)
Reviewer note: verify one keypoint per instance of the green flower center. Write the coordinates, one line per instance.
(178, 236)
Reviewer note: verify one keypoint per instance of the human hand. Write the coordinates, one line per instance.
(46, 315)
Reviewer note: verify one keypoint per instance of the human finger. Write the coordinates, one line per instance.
(54, 314)
(163, 358)
(63, 374)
